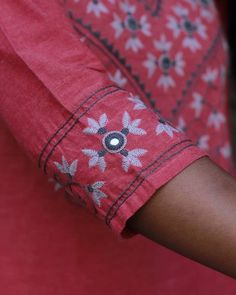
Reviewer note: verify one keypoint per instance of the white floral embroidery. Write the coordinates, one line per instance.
(96, 158)
(223, 73)
(132, 158)
(216, 119)
(131, 24)
(57, 184)
(210, 75)
(165, 63)
(202, 142)
(166, 128)
(190, 28)
(65, 168)
(95, 126)
(96, 7)
(226, 151)
(70, 169)
(118, 78)
(207, 8)
(95, 192)
(197, 104)
(181, 124)
(114, 142)
(139, 104)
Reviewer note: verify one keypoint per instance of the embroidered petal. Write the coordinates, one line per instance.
(103, 120)
(126, 119)
(93, 161)
(65, 164)
(139, 104)
(73, 167)
(137, 152)
(89, 152)
(165, 128)
(132, 158)
(102, 163)
(93, 123)
(98, 184)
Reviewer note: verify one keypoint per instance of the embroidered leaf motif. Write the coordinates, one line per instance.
(132, 125)
(73, 167)
(65, 168)
(132, 158)
(94, 126)
(114, 141)
(95, 159)
(166, 128)
(103, 120)
(139, 104)
(96, 193)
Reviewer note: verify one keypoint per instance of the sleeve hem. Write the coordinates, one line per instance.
(150, 185)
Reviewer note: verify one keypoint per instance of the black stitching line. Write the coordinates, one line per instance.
(132, 183)
(117, 60)
(148, 7)
(67, 121)
(141, 181)
(72, 126)
(195, 74)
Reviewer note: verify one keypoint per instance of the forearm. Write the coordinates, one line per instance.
(195, 215)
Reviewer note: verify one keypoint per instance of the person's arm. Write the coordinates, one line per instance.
(195, 215)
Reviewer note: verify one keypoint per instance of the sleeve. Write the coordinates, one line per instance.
(106, 148)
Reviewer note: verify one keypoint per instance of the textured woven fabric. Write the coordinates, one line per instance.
(111, 100)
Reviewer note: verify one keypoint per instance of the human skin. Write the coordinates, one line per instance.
(194, 214)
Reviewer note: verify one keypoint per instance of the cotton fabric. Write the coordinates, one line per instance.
(77, 103)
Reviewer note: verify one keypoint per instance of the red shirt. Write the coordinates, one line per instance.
(110, 112)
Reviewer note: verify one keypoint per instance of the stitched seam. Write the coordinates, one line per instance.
(62, 126)
(124, 199)
(73, 125)
(147, 168)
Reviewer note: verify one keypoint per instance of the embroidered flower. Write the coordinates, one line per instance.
(163, 126)
(216, 119)
(57, 184)
(114, 142)
(165, 62)
(197, 104)
(138, 103)
(210, 75)
(131, 24)
(96, 7)
(226, 151)
(206, 7)
(96, 194)
(70, 169)
(118, 78)
(181, 124)
(182, 24)
(66, 168)
(202, 142)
